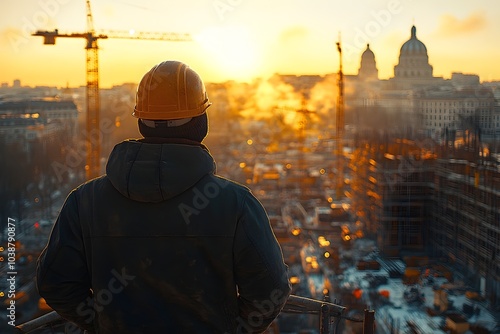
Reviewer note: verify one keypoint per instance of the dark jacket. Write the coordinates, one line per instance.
(162, 245)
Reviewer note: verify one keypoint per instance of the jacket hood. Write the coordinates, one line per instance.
(154, 172)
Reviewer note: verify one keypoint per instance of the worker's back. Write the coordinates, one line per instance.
(166, 244)
(160, 244)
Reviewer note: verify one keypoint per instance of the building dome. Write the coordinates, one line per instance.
(413, 45)
(368, 68)
(368, 56)
(413, 59)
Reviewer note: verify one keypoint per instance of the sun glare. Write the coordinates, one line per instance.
(232, 49)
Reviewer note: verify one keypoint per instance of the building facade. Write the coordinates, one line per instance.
(26, 121)
(466, 222)
(418, 204)
(444, 112)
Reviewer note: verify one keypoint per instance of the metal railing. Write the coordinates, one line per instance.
(294, 305)
(49, 320)
(326, 311)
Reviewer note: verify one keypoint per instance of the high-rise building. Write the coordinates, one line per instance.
(419, 204)
(465, 227)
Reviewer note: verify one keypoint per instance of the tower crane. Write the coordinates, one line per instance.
(93, 134)
(340, 128)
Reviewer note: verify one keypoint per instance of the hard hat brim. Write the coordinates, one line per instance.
(163, 113)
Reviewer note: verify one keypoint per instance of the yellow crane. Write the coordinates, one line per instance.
(93, 133)
(340, 128)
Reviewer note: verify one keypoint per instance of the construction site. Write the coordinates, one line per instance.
(388, 220)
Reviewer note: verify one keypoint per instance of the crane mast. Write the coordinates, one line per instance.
(340, 128)
(93, 137)
(93, 133)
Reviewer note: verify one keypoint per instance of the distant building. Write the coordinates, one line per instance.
(413, 102)
(365, 86)
(413, 69)
(464, 80)
(417, 101)
(396, 96)
(444, 112)
(368, 69)
(26, 121)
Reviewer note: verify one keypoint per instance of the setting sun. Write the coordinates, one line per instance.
(232, 50)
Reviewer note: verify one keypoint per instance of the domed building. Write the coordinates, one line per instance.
(368, 69)
(413, 68)
(413, 59)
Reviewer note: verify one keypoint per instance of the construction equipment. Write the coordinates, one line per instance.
(340, 128)
(93, 133)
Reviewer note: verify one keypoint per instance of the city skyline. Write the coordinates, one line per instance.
(238, 40)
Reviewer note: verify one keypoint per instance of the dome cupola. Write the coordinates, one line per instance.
(368, 68)
(413, 59)
(413, 45)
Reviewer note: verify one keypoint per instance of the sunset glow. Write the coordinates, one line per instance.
(231, 50)
(241, 40)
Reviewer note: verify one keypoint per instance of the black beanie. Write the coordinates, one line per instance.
(196, 129)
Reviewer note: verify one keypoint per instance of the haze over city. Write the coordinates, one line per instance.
(241, 40)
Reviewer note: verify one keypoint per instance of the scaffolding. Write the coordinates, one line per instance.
(467, 221)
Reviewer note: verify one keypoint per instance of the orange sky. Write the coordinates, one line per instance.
(241, 39)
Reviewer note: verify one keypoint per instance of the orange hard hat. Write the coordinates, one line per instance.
(170, 90)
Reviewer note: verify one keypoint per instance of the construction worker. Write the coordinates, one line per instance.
(161, 244)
